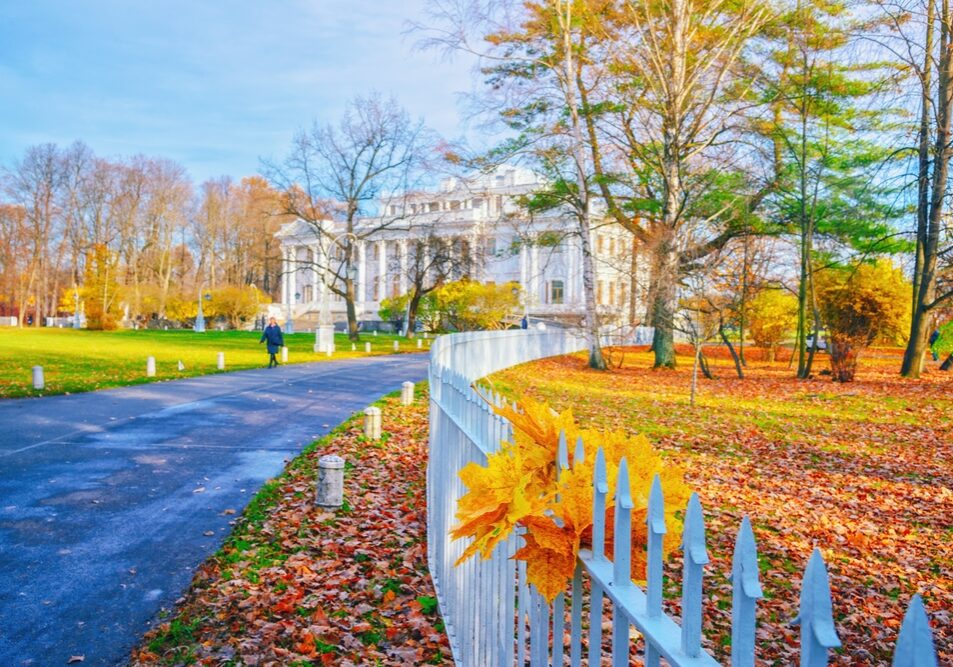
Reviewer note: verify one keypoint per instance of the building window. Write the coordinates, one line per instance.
(476, 203)
(600, 243)
(599, 292)
(556, 292)
(490, 248)
(612, 293)
(454, 206)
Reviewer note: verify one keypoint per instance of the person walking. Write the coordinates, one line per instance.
(934, 337)
(272, 334)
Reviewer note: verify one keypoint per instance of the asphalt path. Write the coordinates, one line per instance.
(109, 500)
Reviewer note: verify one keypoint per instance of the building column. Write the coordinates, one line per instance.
(314, 273)
(476, 256)
(524, 269)
(284, 276)
(402, 248)
(572, 264)
(382, 270)
(534, 274)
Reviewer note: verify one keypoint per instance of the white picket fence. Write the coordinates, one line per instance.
(493, 618)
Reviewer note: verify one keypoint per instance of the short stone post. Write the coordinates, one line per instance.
(221, 361)
(38, 382)
(396, 346)
(407, 393)
(353, 347)
(420, 343)
(367, 348)
(375, 333)
(372, 423)
(284, 354)
(150, 367)
(181, 365)
(331, 350)
(329, 491)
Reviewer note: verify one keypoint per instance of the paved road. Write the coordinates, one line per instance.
(105, 498)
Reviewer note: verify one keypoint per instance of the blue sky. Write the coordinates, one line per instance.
(213, 84)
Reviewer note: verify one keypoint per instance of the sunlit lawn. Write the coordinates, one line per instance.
(75, 361)
(863, 471)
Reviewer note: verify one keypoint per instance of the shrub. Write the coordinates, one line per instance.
(860, 306)
(772, 316)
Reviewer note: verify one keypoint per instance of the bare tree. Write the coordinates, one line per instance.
(35, 184)
(336, 175)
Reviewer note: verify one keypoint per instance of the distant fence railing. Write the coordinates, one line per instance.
(493, 617)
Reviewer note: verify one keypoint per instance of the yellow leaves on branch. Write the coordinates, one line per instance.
(519, 486)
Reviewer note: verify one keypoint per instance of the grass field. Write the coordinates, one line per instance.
(75, 361)
(863, 471)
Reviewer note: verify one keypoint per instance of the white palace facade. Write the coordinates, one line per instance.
(492, 240)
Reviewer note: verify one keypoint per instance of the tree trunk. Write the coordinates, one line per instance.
(742, 311)
(703, 364)
(571, 80)
(665, 302)
(923, 161)
(412, 307)
(731, 349)
(920, 321)
(945, 366)
(352, 332)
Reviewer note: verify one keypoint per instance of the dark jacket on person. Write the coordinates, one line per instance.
(276, 340)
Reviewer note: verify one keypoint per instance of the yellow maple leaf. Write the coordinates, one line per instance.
(520, 486)
(550, 555)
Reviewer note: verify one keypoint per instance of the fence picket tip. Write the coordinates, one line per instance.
(693, 534)
(915, 647)
(745, 561)
(579, 456)
(656, 513)
(562, 453)
(623, 492)
(745, 592)
(816, 615)
(601, 478)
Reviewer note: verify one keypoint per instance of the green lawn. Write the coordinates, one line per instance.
(75, 361)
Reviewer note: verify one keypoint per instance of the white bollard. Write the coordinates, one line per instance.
(284, 354)
(353, 347)
(181, 365)
(367, 348)
(38, 382)
(420, 343)
(221, 361)
(407, 393)
(329, 491)
(396, 346)
(375, 332)
(330, 352)
(150, 367)
(372, 423)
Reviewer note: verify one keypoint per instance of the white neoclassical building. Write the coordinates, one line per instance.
(492, 240)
